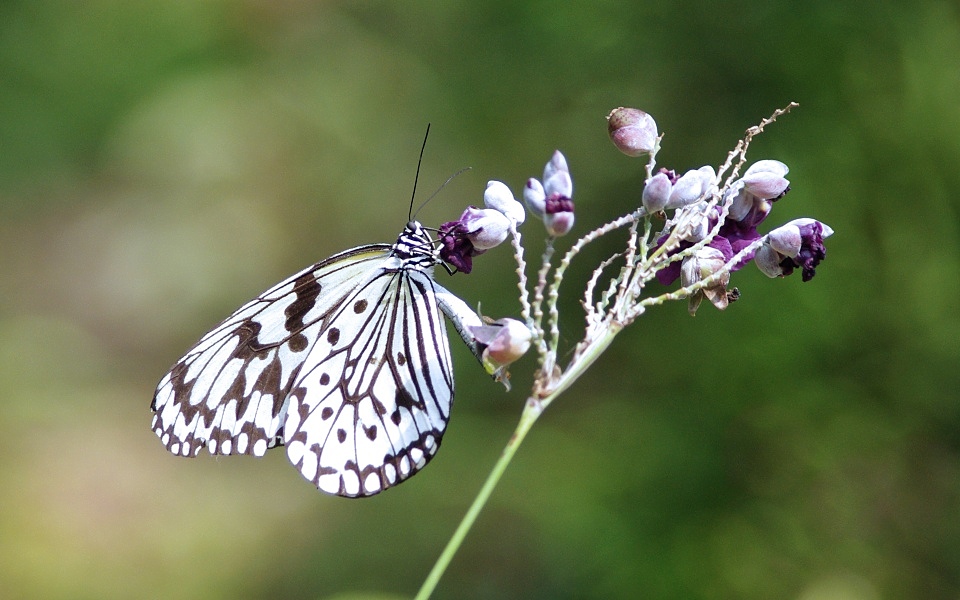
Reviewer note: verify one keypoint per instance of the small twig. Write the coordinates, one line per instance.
(542, 273)
(521, 271)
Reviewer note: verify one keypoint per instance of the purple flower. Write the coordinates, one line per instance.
(738, 235)
(455, 248)
(751, 199)
(798, 244)
(480, 229)
(477, 230)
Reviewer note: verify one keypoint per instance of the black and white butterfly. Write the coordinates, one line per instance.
(345, 363)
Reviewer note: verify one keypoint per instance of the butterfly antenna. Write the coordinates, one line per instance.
(449, 179)
(410, 211)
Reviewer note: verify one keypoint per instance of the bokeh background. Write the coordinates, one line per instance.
(161, 162)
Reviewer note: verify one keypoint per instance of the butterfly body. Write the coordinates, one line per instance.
(345, 363)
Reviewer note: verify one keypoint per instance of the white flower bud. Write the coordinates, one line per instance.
(559, 184)
(535, 197)
(698, 221)
(656, 193)
(486, 227)
(690, 188)
(701, 265)
(754, 193)
(499, 197)
(558, 224)
(768, 261)
(551, 200)
(774, 167)
(785, 239)
(558, 163)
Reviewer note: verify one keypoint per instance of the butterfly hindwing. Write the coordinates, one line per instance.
(382, 419)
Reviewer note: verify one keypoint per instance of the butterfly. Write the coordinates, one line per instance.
(345, 363)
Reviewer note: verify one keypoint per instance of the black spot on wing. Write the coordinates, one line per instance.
(298, 342)
(403, 399)
(248, 331)
(306, 288)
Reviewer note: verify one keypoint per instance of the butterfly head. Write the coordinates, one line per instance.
(415, 244)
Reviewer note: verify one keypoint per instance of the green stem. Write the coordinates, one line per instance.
(583, 359)
(531, 412)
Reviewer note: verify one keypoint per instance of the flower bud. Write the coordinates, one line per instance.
(559, 184)
(503, 342)
(558, 163)
(762, 184)
(785, 240)
(535, 197)
(551, 201)
(632, 131)
(559, 222)
(770, 166)
(498, 197)
(765, 179)
(486, 227)
(705, 263)
(556, 176)
(768, 261)
(692, 187)
(656, 193)
(699, 222)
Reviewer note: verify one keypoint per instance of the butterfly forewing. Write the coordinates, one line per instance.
(228, 393)
(346, 362)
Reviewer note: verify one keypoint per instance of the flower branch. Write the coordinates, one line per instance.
(699, 227)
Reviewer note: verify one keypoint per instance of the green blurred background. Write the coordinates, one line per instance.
(161, 162)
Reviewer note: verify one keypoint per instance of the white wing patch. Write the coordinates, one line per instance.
(346, 363)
